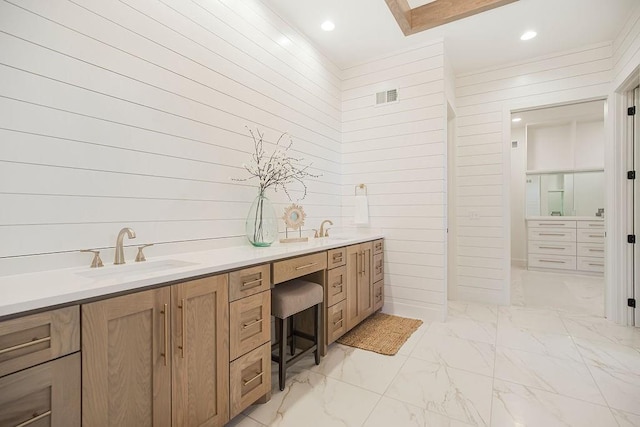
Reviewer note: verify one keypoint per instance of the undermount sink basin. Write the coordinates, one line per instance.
(136, 269)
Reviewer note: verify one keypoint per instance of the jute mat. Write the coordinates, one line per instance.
(382, 333)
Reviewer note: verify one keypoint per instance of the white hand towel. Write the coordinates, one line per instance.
(361, 216)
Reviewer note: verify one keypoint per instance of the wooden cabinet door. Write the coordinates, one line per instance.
(360, 301)
(126, 365)
(201, 352)
(45, 395)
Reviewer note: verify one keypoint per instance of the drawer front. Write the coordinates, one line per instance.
(249, 281)
(592, 250)
(44, 395)
(336, 257)
(30, 340)
(551, 224)
(590, 225)
(249, 323)
(378, 295)
(336, 321)
(552, 248)
(378, 267)
(552, 261)
(591, 236)
(250, 378)
(336, 285)
(591, 264)
(378, 246)
(298, 267)
(552, 234)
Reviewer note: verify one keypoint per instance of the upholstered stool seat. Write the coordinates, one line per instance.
(288, 299)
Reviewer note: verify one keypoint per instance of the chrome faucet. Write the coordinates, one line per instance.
(119, 245)
(324, 233)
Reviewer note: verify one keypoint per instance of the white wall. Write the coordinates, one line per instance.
(398, 151)
(484, 100)
(518, 178)
(133, 113)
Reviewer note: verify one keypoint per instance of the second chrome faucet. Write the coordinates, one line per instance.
(119, 259)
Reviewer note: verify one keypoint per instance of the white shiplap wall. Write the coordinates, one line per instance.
(398, 150)
(133, 113)
(484, 100)
(626, 49)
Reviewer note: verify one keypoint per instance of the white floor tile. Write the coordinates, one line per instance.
(534, 319)
(408, 346)
(600, 329)
(391, 412)
(312, 399)
(609, 355)
(474, 356)
(243, 421)
(547, 373)
(626, 419)
(555, 345)
(467, 329)
(454, 393)
(516, 405)
(620, 389)
(474, 311)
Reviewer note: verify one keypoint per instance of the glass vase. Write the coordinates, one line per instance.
(262, 223)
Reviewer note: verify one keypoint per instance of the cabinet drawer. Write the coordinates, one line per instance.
(591, 224)
(551, 224)
(336, 285)
(591, 236)
(298, 267)
(378, 246)
(249, 281)
(336, 257)
(250, 378)
(249, 323)
(552, 261)
(591, 264)
(552, 248)
(552, 234)
(30, 340)
(593, 250)
(378, 295)
(378, 267)
(44, 395)
(336, 321)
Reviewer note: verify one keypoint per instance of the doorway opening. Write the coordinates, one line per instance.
(558, 208)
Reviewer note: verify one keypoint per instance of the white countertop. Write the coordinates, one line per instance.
(25, 292)
(565, 218)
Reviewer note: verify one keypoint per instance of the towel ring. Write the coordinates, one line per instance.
(361, 186)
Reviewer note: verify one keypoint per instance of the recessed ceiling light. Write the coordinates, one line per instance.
(516, 119)
(528, 35)
(328, 26)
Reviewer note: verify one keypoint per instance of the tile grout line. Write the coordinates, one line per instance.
(495, 357)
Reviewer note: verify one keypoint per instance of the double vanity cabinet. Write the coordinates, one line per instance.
(195, 352)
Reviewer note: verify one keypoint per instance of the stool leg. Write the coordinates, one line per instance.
(282, 363)
(292, 348)
(316, 328)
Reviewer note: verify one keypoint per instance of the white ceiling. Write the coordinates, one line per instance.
(365, 29)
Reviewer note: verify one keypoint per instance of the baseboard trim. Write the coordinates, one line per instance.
(427, 314)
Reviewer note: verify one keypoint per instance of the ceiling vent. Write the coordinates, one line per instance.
(386, 97)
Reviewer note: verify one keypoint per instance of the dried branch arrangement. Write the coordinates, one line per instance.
(277, 170)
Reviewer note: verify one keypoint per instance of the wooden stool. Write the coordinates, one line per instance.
(288, 299)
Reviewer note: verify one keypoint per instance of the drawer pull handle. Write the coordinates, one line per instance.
(595, 264)
(337, 322)
(596, 250)
(183, 308)
(595, 235)
(306, 266)
(553, 247)
(561, 224)
(337, 285)
(552, 234)
(553, 261)
(250, 324)
(165, 313)
(255, 283)
(246, 382)
(24, 345)
(34, 419)
(595, 225)
(337, 257)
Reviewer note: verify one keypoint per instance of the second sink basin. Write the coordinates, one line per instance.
(121, 271)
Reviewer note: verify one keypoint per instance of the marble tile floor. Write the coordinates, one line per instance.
(485, 366)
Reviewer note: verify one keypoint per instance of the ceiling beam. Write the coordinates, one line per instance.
(438, 12)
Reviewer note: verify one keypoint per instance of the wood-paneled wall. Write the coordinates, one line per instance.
(483, 101)
(398, 151)
(133, 113)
